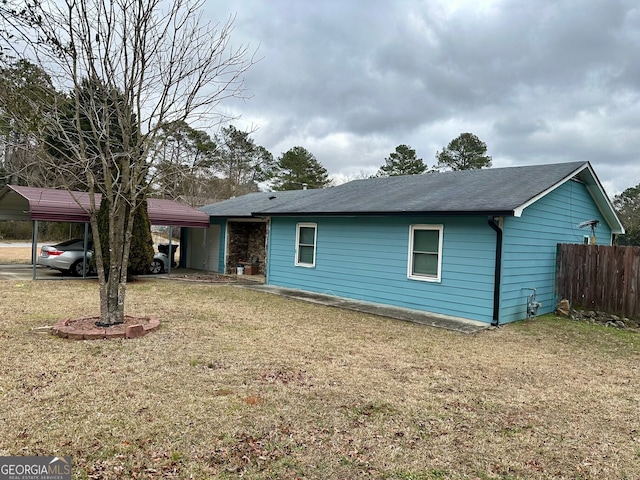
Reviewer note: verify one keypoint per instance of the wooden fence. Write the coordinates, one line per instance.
(598, 277)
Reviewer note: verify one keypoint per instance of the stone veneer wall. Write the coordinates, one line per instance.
(246, 245)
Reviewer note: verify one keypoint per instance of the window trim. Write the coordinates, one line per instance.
(297, 261)
(421, 277)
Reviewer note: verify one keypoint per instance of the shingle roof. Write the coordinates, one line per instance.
(493, 191)
(245, 205)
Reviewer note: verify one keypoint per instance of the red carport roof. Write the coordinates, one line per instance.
(66, 206)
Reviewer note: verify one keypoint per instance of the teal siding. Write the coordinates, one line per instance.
(529, 246)
(223, 243)
(366, 258)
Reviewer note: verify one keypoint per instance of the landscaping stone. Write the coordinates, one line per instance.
(564, 308)
(595, 317)
(134, 331)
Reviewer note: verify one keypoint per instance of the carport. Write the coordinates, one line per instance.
(54, 205)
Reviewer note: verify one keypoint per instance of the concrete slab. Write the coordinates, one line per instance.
(457, 324)
(25, 272)
(20, 271)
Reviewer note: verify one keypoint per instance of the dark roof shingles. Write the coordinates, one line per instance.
(246, 205)
(489, 190)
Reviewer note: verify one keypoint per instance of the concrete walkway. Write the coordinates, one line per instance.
(456, 324)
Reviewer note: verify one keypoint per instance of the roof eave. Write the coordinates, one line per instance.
(422, 213)
(594, 187)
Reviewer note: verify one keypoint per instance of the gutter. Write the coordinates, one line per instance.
(495, 225)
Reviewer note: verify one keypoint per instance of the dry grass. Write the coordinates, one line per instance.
(13, 255)
(238, 383)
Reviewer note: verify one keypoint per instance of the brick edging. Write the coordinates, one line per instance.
(64, 329)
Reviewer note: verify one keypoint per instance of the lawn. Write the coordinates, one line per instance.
(9, 255)
(238, 383)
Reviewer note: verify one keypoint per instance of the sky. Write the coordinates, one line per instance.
(539, 81)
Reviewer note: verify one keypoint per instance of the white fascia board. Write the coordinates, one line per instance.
(517, 212)
(604, 204)
(594, 187)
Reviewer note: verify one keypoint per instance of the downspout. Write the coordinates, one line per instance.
(497, 275)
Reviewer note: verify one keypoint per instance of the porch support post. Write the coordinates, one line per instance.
(204, 251)
(170, 249)
(85, 246)
(34, 249)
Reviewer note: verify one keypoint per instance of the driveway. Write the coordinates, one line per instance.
(25, 272)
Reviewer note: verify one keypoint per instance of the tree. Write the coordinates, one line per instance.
(72, 127)
(26, 94)
(402, 162)
(185, 163)
(465, 152)
(151, 63)
(141, 247)
(297, 168)
(241, 162)
(627, 205)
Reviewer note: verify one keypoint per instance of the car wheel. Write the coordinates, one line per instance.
(77, 267)
(156, 267)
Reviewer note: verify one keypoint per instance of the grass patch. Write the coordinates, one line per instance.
(237, 383)
(582, 335)
(15, 255)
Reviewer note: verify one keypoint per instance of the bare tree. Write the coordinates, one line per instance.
(151, 62)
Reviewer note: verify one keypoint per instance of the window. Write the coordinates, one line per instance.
(425, 252)
(306, 245)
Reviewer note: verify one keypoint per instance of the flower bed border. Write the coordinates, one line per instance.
(76, 329)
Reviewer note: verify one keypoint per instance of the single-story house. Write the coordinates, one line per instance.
(470, 244)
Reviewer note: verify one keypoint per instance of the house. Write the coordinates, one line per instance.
(468, 244)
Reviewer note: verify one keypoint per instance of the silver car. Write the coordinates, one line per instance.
(66, 256)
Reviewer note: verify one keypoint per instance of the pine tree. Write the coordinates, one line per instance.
(298, 168)
(465, 152)
(402, 162)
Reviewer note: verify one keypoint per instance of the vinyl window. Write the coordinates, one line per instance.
(306, 234)
(425, 252)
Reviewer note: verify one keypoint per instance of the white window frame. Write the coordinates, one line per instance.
(298, 263)
(421, 277)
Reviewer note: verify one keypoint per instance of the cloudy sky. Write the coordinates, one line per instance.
(539, 81)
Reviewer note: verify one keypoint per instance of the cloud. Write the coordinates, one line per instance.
(542, 81)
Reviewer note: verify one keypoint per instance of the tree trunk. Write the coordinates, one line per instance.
(113, 286)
